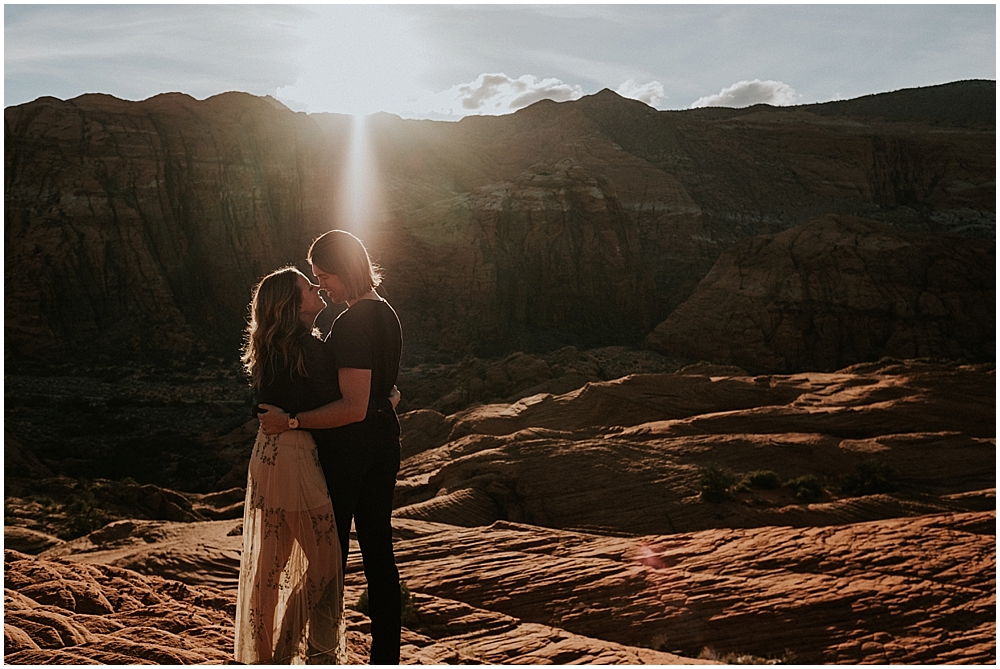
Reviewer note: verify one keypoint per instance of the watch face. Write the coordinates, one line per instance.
(293, 423)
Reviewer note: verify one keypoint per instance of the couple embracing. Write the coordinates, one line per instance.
(327, 453)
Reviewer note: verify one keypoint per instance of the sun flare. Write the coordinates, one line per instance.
(359, 195)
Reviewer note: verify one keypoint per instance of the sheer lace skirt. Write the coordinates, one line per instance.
(290, 603)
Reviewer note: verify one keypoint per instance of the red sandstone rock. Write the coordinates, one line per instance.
(143, 225)
(902, 577)
(554, 461)
(58, 612)
(907, 590)
(922, 589)
(837, 291)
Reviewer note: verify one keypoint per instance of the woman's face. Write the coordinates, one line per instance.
(312, 302)
(331, 283)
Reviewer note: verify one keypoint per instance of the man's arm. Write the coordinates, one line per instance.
(355, 388)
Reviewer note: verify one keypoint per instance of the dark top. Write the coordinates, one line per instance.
(368, 336)
(296, 393)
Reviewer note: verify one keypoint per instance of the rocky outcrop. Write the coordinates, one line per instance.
(913, 590)
(837, 291)
(645, 442)
(70, 613)
(512, 593)
(141, 227)
(59, 612)
(843, 517)
(450, 387)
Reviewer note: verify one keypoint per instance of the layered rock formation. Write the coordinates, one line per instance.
(71, 613)
(140, 226)
(143, 226)
(643, 442)
(914, 590)
(582, 527)
(836, 291)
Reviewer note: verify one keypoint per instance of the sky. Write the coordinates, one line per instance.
(450, 61)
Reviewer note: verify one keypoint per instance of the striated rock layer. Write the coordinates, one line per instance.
(59, 612)
(142, 226)
(906, 590)
(914, 590)
(837, 291)
(579, 528)
(629, 455)
(72, 613)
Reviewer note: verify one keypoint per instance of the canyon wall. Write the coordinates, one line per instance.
(141, 227)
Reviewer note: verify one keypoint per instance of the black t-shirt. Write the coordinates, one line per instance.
(296, 393)
(368, 336)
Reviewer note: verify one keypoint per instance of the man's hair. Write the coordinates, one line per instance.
(341, 253)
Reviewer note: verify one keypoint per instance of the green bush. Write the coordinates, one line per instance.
(716, 484)
(83, 513)
(763, 479)
(870, 477)
(807, 488)
(409, 610)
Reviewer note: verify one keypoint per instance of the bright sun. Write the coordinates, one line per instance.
(359, 59)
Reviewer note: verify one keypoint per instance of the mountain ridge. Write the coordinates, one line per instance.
(207, 196)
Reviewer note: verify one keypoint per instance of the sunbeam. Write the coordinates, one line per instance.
(360, 188)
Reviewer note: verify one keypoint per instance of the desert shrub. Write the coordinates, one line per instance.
(763, 479)
(870, 477)
(806, 488)
(716, 484)
(83, 514)
(788, 657)
(409, 611)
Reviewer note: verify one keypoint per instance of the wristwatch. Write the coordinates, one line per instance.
(293, 422)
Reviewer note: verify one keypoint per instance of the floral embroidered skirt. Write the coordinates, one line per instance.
(290, 604)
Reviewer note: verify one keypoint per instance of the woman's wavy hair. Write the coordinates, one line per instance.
(273, 341)
(341, 253)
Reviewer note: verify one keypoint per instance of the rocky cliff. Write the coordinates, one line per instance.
(836, 291)
(141, 226)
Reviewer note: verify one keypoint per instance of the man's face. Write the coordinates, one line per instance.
(332, 284)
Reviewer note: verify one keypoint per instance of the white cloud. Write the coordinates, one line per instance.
(650, 93)
(493, 94)
(747, 93)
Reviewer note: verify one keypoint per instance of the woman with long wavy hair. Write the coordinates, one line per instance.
(290, 601)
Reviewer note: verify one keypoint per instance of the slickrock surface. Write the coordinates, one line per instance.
(837, 291)
(58, 612)
(199, 553)
(572, 528)
(908, 590)
(627, 455)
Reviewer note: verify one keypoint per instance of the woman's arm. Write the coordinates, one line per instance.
(355, 388)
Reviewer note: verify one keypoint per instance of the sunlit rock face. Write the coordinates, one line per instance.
(837, 291)
(144, 225)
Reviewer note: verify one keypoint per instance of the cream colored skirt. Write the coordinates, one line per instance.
(290, 607)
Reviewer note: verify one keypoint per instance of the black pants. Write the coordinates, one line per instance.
(360, 462)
